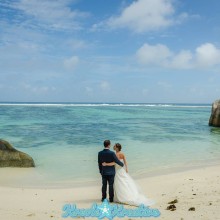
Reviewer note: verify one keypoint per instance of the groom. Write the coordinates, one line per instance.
(107, 172)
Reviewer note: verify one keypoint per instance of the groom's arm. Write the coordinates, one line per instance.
(116, 160)
(100, 163)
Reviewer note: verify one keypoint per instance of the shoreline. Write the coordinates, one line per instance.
(193, 188)
(17, 175)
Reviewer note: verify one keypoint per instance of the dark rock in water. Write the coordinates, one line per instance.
(215, 115)
(10, 157)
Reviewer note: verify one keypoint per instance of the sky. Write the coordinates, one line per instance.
(150, 51)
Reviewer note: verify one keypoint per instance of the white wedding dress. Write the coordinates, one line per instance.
(127, 191)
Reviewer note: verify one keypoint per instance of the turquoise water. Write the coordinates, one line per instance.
(64, 139)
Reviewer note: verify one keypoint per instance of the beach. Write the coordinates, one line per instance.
(171, 151)
(198, 188)
(139, 77)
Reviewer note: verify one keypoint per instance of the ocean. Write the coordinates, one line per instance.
(65, 138)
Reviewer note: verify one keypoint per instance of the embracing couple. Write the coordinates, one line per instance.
(114, 170)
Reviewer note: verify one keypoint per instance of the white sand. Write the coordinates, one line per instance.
(43, 204)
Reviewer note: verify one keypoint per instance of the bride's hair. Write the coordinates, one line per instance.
(118, 146)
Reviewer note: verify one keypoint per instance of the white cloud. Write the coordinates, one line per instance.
(76, 44)
(153, 54)
(47, 14)
(204, 56)
(147, 15)
(105, 85)
(71, 63)
(29, 46)
(182, 60)
(207, 55)
(88, 89)
(37, 89)
(164, 84)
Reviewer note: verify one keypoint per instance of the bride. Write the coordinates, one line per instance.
(126, 190)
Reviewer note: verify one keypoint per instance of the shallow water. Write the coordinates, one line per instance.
(64, 139)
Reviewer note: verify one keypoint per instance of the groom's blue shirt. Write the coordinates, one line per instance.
(108, 156)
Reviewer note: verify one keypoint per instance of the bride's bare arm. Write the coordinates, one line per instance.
(108, 164)
(125, 163)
